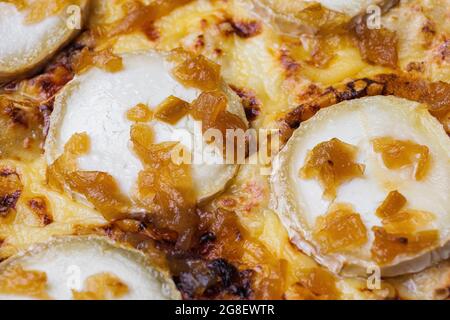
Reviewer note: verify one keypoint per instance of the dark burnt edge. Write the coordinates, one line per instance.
(352, 90)
(195, 275)
(9, 201)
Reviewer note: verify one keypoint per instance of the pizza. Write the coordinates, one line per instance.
(224, 149)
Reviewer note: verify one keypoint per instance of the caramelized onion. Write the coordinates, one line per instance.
(332, 163)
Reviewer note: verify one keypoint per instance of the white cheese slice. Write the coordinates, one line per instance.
(69, 261)
(97, 102)
(299, 201)
(24, 47)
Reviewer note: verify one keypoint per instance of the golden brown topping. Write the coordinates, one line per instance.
(41, 9)
(251, 104)
(397, 154)
(340, 229)
(396, 221)
(332, 163)
(377, 45)
(198, 72)
(142, 135)
(98, 187)
(10, 190)
(77, 145)
(393, 203)
(102, 286)
(172, 110)
(103, 59)
(210, 109)
(17, 281)
(435, 94)
(101, 190)
(165, 188)
(387, 246)
(407, 221)
(319, 284)
(139, 113)
(21, 128)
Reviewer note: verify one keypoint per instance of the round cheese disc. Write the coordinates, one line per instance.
(97, 103)
(83, 267)
(365, 184)
(26, 45)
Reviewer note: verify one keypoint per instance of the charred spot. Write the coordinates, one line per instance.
(289, 64)
(252, 106)
(198, 278)
(444, 50)
(9, 201)
(353, 90)
(40, 207)
(416, 66)
(435, 94)
(199, 42)
(18, 116)
(243, 29)
(60, 70)
(151, 31)
(10, 190)
(207, 237)
(312, 91)
(53, 80)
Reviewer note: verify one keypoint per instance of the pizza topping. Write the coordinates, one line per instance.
(387, 246)
(172, 110)
(17, 281)
(139, 113)
(99, 188)
(77, 145)
(165, 188)
(103, 59)
(397, 154)
(102, 286)
(21, 128)
(332, 163)
(393, 203)
(376, 45)
(340, 229)
(210, 109)
(196, 71)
